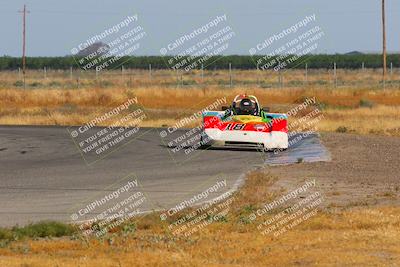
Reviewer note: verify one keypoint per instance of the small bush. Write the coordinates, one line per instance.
(341, 129)
(220, 218)
(35, 84)
(321, 82)
(246, 82)
(302, 99)
(104, 99)
(105, 83)
(188, 82)
(68, 108)
(366, 103)
(322, 105)
(19, 84)
(44, 229)
(376, 131)
(222, 82)
(54, 84)
(6, 234)
(295, 83)
(265, 85)
(249, 208)
(41, 229)
(129, 228)
(135, 107)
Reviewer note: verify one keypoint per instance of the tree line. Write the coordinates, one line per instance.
(321, 61)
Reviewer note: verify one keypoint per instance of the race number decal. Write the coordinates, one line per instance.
(234, 126)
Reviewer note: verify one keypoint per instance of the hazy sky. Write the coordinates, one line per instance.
(55, 27)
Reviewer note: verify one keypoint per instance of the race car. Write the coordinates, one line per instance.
(245, 124)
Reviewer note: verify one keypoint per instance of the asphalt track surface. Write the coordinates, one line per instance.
(45, 176)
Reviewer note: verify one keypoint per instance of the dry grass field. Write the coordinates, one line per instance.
(367, 78)
(366, 236)
(358, 104)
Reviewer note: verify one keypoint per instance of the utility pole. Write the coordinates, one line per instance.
(383, 43)
(23, 39)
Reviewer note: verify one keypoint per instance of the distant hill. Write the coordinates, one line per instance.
(354, 53)
(99, 47)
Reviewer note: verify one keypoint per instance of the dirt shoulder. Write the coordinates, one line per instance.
(364, 171)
